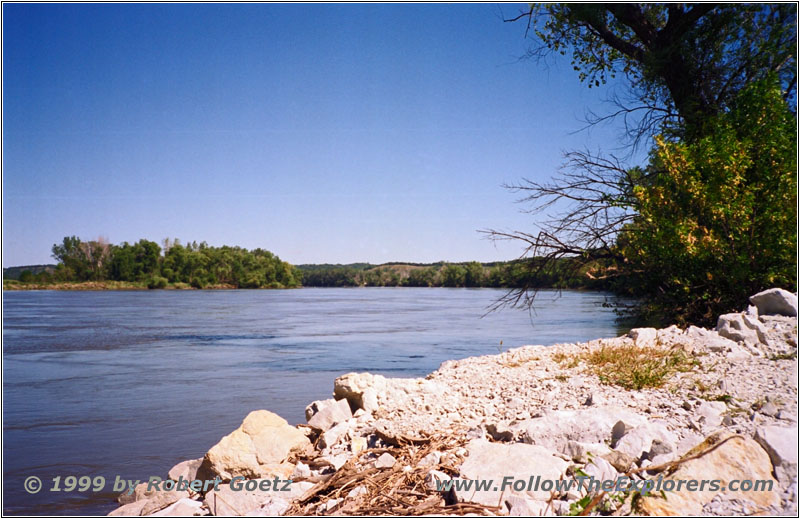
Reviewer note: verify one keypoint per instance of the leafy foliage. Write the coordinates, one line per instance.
(717, 217)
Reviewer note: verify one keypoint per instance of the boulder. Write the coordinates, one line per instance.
(161, 500)
(735, 328)
(518, 506)
(600, 469)
(226, 501)
(130, 509)
(496, 461)
(327, 413)
(183, 507)
(185, 469)
(620, 461)
(332, 436)
(734, 458)
(555, 429)
(352, 386)
(775, 301)
(141, 493)
(643, 336)
(781, 445)
(258, 448)
(639, 442)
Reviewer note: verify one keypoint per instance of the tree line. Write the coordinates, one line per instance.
(511, 274)
(146, 262)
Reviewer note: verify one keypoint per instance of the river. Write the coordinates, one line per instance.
(127, 384)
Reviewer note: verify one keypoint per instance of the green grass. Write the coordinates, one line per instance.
(636, 367)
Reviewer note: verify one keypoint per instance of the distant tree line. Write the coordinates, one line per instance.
(193, 264)
(471, 274)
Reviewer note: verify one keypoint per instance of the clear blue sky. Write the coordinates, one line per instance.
(324, 133)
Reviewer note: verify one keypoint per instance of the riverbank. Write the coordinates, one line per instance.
(104, 285)
(659, 405)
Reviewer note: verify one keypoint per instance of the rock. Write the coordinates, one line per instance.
(337, 461)
(183, 507)
(619, 460)
(360, 490)
(327, 413)
(358, 445)
(227, 501)
(775, 301)
(274, 506)
(301, 471)
(496, 461)
(431, 459)
(600, 469)
(161, 500)
(769, 409)
(587, 425)
(258, 448)
(735, 458)
(781, 445)
(130, 509)
(434, 476)
(352, 386)
(518, 506)
(581, 452)
(643, 336)
(711, 412)
(369, 400)
(639, 441)
(332, 436)
(141, 493)
(385, 461)
(734, 327)
(185, 469)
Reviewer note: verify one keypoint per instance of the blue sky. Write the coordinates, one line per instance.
(324, 133)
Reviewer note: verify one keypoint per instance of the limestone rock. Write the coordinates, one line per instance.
(643, 336)
(129, 509)
(327, 413)
(183, 507)
(227, 501)
(588, 425)
(737, 458)
(781, 445)
(258, 448)
(385, 461)
(734, 327)
(711, 412)
(352, 386)
(161, 500)
(581, 452)
(185, 469)
(497, 460)
(775, 301)
(639, 442)
(518, 506)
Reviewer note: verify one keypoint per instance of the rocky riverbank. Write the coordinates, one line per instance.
(660, 405)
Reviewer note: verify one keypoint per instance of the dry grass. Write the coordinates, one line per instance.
(636, 367)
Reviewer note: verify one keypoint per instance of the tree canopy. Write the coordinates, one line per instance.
(711, 218)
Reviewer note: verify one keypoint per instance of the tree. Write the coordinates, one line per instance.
(697, 73)
(683, 62)
(718, 219)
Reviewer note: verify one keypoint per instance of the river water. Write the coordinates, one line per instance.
(129, 383)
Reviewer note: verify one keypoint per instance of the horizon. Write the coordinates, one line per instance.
(321, 133)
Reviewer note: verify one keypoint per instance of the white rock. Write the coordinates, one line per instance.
(496, 461)
(185, 469)
(711, 412)
(327, 413)
(587, 425)
(434, 476)
(519, 506)
(643, 336)
(781, 445)
(639, 441)
(385, 461)
(775, 301)
(600, 469)
(733, 327)
(181, 508)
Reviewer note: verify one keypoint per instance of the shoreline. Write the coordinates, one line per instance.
(724, 405)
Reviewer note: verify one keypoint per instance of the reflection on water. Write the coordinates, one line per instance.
(130, 383)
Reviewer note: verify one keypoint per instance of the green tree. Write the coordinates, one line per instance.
(717, 220)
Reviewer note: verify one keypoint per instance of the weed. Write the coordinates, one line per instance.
(636, 367)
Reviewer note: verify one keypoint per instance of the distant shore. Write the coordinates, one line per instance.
(102, 285)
